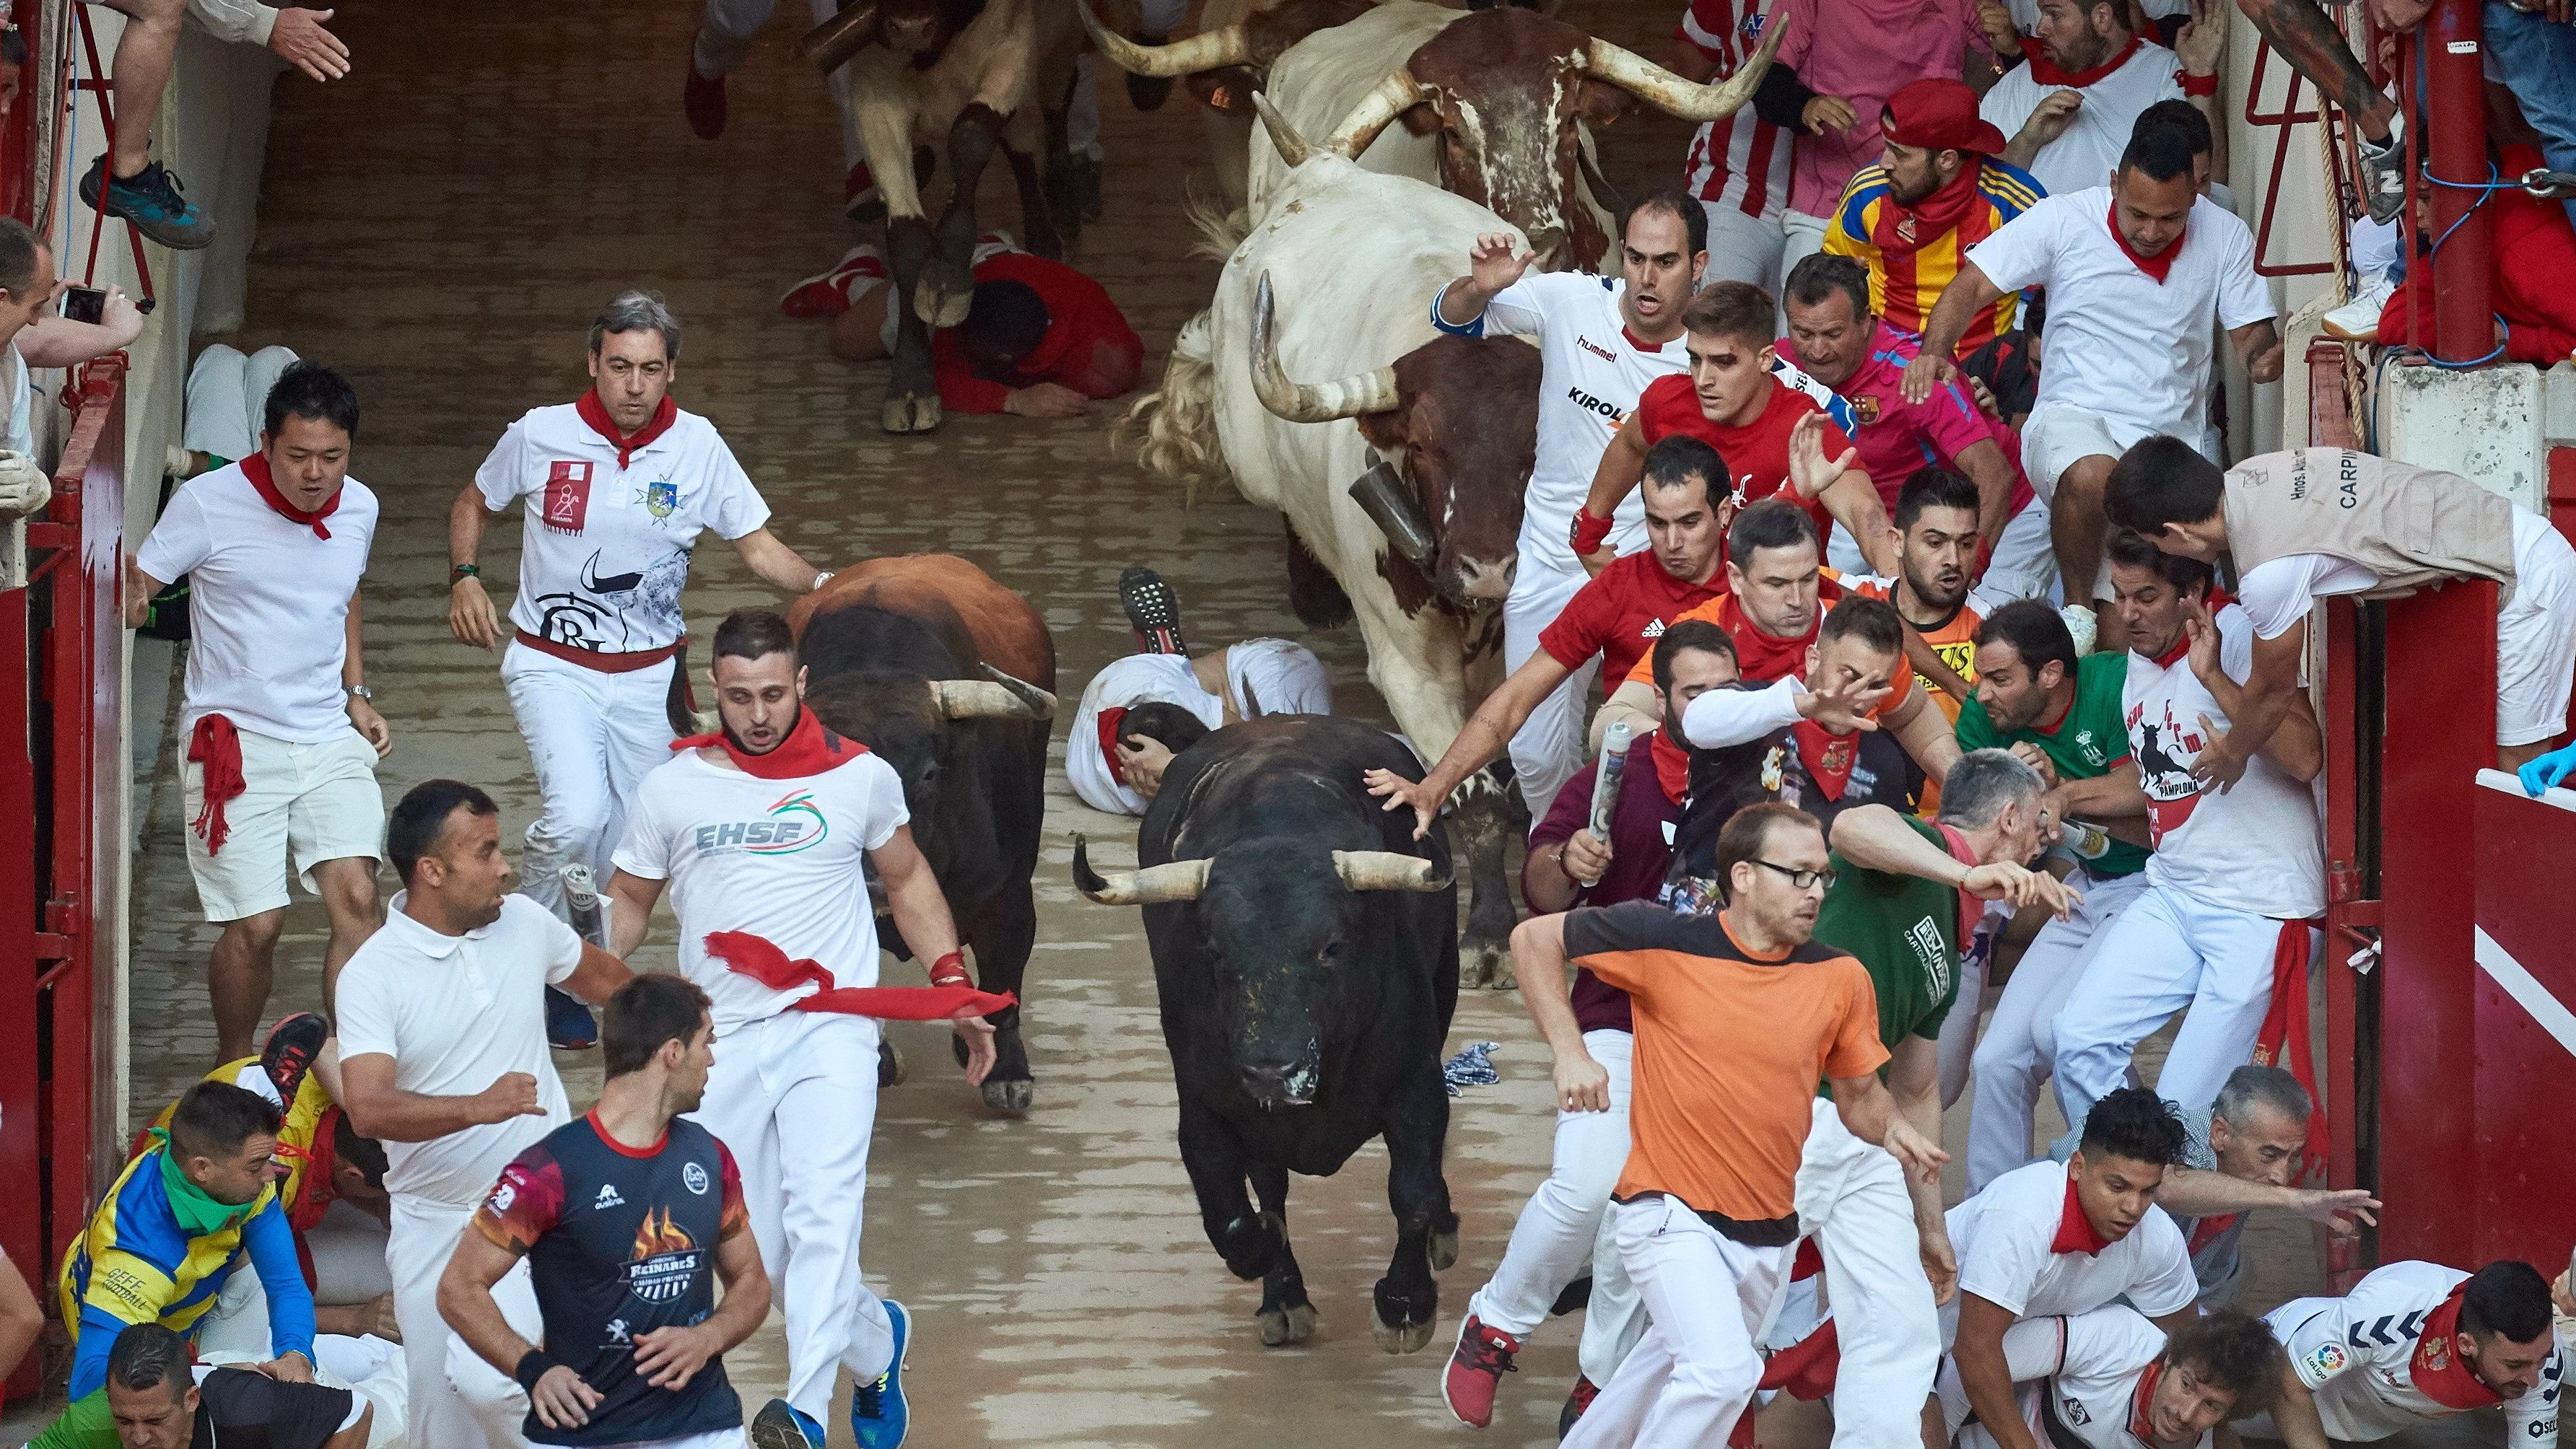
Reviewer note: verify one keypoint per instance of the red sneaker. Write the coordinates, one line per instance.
(1585, 1391)
(827, 294)
(1476, 1369)
(704, 99)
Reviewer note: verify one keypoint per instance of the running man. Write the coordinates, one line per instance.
(2414, 1342)
(793, 1093)
(1601, 341)
(619, 484)
(1739, 1013)
(626, 1217)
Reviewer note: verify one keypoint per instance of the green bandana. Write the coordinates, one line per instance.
(198, 1213)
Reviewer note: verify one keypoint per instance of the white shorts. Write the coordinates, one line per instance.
(2057, 434)
(2536, 639)
(300, 803)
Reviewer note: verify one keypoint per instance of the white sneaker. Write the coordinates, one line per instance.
(2081, 624)
(2358, 319)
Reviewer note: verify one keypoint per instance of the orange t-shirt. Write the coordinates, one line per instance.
(1730, 1047)
(1722, 612)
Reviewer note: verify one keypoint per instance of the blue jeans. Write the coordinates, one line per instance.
(2537, 62)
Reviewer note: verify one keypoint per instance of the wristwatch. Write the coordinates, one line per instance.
(359, 691)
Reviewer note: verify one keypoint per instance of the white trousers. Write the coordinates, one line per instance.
(1742, 248)
(2020, 1044)
(2033, 1348)
(794, 1097)
(1959, 1028)
(1562, 1225)
(2172, 952)
(724, 43)
(1548, 747)
(457, 1400)
(1852, 1198)
(1693, 1374)
(593, 737)
(228, 399)
(1802, 236)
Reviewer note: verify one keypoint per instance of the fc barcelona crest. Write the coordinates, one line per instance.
(661, 498)
(1865, 407)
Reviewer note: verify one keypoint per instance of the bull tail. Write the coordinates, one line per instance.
(1173, 428)
(1220, 228)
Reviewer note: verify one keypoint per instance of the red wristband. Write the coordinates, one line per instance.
(2198, 85)
(1589, 532)
(950, 970)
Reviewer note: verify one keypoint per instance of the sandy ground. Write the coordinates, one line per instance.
(442, 226)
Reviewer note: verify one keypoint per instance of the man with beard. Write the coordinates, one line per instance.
(1563, 1228)
(1613, 618)
(2070, 110)
(1937, 190)
(2413, 1342)
(1601, 341)
(2110, 1379)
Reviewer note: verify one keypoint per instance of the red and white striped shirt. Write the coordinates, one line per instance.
(1742, 161)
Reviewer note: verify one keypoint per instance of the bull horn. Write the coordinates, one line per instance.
(1668, 92)
(1180, 880)
(1206, 51)
(1040, 703)
(1395, 95)
(1303, 402)
(831, 44)
(1386, 870)
(1292, 148)
(988, 699)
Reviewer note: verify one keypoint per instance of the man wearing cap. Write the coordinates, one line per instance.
(1937, 190)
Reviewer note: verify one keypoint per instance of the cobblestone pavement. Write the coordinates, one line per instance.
(442, 226)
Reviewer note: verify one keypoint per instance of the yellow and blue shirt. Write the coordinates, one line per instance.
(1910, 265)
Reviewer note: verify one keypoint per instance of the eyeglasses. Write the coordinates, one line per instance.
(1804, 879)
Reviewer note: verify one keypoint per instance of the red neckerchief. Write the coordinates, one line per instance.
(1970, 908)
(2208, 1230)
(1761, 658)
(1110, 719)
(2141, 1428)
(320, 1159)
(2437, 1368)
(1672, 767)
(2181, 647)
(745, 954)
(2215, 600)
(595, 413)
(2045, 71)
(2155, 266)
(1900, 229)
(809, 749)
(1828, 756)
(2074, 1230)
(255, 468)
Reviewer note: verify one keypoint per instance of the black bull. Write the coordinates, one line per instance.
(1305, 953)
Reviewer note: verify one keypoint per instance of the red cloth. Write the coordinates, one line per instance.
(255, 468)
(2155, 266)
(2534, 252)
(1672, 767)
(1757, 454)
(748, 955)
(217, 746)
(1110, 721)
(1828, 756)
(595, 413)
(1621, 612)
(1805, 1369)
(809, 749)
(2046, 73)
(2437, 1367)
(2283, 1039)
(1934, 215)
(1088, 345)
(2075, 1232)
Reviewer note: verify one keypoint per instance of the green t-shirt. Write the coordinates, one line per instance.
(2092, 740)
(1905, 929)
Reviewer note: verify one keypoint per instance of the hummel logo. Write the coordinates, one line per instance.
(607, 1198)
(1595, 348)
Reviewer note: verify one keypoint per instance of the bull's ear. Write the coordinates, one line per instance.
(1384, 431)
(1421, 120)
(1597, 104)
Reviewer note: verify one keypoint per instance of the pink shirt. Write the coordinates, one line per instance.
(1896, 437)
(1864, 52)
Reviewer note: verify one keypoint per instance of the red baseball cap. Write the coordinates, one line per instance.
(1939, 115)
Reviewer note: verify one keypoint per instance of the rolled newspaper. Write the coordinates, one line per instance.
(1605, 784)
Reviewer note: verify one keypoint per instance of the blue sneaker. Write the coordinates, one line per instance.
(569, 1025)
(781, 1425)
(879, 1413)
(150, 199)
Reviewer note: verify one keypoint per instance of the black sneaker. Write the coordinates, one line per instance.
(292, 1045)
(149, 199)
(569, 1025)
(1153, 611)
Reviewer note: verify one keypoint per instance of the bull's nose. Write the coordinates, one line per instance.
(1487, 579)
(1281, 1084)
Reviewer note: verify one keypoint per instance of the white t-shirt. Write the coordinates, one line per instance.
(2088, 150)
(781, 859)
(2280, 593)
(2080, 1379)
(456, 1013)
(1590, 377)
(2004, 1237)
(2357, 1354)
(2255, 848)
(1273, 674)
(268, 603)
(2119, 343)
(605, 550)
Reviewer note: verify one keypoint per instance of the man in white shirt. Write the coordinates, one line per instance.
(620, 485)
(764, 834)
(2044, 1241)
(2109, 1379)
(2414, 1342)
(282, 735)
(1601, 340)
(2136, 272)
(2235, 876)
(2069, 111)
(443, 1059)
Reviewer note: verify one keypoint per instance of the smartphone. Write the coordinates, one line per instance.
(84, 304)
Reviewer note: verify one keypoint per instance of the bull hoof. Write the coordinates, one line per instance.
(1251, 1246)
(1282, 1326)
(911, 413)
(890, 1066)
(1485, 965)
(1442, 1251)
(944, 295)
(1398, 1337)
(1012, 1097)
